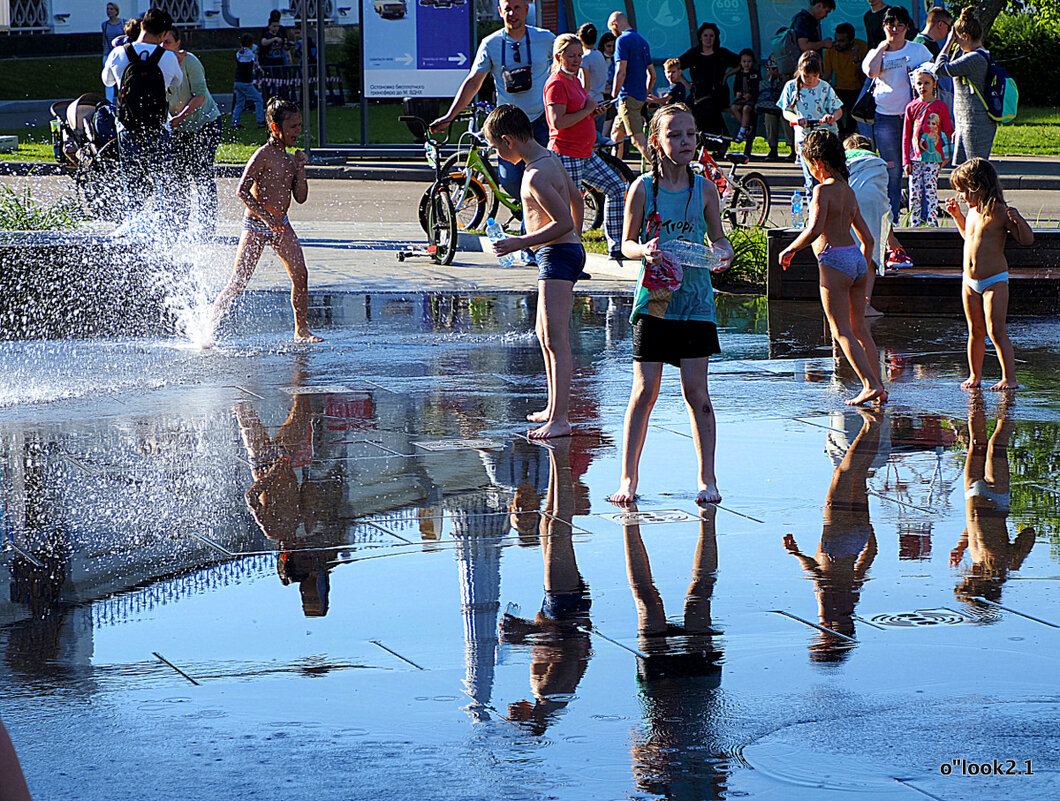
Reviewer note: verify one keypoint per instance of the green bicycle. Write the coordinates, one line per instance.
(475, 186)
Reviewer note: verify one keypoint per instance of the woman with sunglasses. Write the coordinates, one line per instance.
(890, 65)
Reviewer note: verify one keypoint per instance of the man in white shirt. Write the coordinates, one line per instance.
(144, 151)
(153, 27)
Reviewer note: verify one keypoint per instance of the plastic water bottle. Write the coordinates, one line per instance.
(496, 234)
(797, 220)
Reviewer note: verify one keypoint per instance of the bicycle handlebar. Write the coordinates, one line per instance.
(421, 130)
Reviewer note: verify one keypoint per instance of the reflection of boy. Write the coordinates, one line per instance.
(561, 648)
(276, 499)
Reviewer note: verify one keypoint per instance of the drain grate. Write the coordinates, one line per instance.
(648, 518)
(459, 445)
(921, 617)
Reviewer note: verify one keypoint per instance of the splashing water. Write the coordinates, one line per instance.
(188, 273)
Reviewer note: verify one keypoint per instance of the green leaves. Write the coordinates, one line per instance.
(20, 212)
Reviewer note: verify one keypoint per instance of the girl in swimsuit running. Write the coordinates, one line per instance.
(843, 266)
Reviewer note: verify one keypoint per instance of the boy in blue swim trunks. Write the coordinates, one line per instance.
(271, 178)
(552, 212)
(843, 265)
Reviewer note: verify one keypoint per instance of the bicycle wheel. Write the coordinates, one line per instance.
(471, 212)
(593, 217)
(441, 226)
(458, 176)
(748, 203)
(425, 199)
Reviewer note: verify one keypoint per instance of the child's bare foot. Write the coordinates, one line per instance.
(868, 395)
(708, 493)
(551, 429)
(1000, 385)
(627, 492)
(538, 417)
(971, 382)
(307, 336)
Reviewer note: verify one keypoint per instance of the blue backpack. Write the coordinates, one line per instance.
(1001, 98)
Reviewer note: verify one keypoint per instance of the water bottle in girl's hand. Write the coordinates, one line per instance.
(496, 234)
(694, 255)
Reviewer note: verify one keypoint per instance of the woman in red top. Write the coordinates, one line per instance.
(572, 134)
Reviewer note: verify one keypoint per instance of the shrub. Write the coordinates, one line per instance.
(20, 212)
(1030, 51)
(750, 263)
(350, 67)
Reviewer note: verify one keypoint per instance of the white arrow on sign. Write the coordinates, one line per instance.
(459, 58)
(405, 59)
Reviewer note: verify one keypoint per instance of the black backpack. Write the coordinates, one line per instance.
(142, 95)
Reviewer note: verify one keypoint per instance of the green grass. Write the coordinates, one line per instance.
(61, 77)
(343, 126)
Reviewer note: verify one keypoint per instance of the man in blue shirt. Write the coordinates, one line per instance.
(634, 81)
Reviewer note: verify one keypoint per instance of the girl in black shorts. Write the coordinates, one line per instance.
(673, 212)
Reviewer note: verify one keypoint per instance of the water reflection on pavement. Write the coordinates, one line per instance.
(270, 554)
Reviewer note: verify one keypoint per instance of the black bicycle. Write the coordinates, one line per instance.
(437, 214)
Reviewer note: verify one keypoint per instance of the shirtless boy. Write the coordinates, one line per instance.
(552, 211)
(271, 178)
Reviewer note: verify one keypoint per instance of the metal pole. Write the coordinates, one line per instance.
(306, 127)
(322, 76)
(364, 101)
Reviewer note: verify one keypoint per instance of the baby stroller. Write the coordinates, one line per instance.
(85, 141)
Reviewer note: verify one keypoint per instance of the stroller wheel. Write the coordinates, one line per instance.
(99, 183)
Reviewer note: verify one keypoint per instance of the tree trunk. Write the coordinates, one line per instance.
(988, 11)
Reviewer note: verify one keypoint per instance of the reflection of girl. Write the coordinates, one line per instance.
(676, 751)
(986, 509)
(848, 543)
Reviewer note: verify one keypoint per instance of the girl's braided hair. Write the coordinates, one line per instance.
(808, 62)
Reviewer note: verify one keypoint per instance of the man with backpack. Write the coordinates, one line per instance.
(143, 71)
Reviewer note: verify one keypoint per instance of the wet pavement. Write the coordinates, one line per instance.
(425, 604)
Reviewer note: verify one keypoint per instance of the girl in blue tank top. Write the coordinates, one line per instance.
(669, 217)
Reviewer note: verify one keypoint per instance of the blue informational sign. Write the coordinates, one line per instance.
(415, 48)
